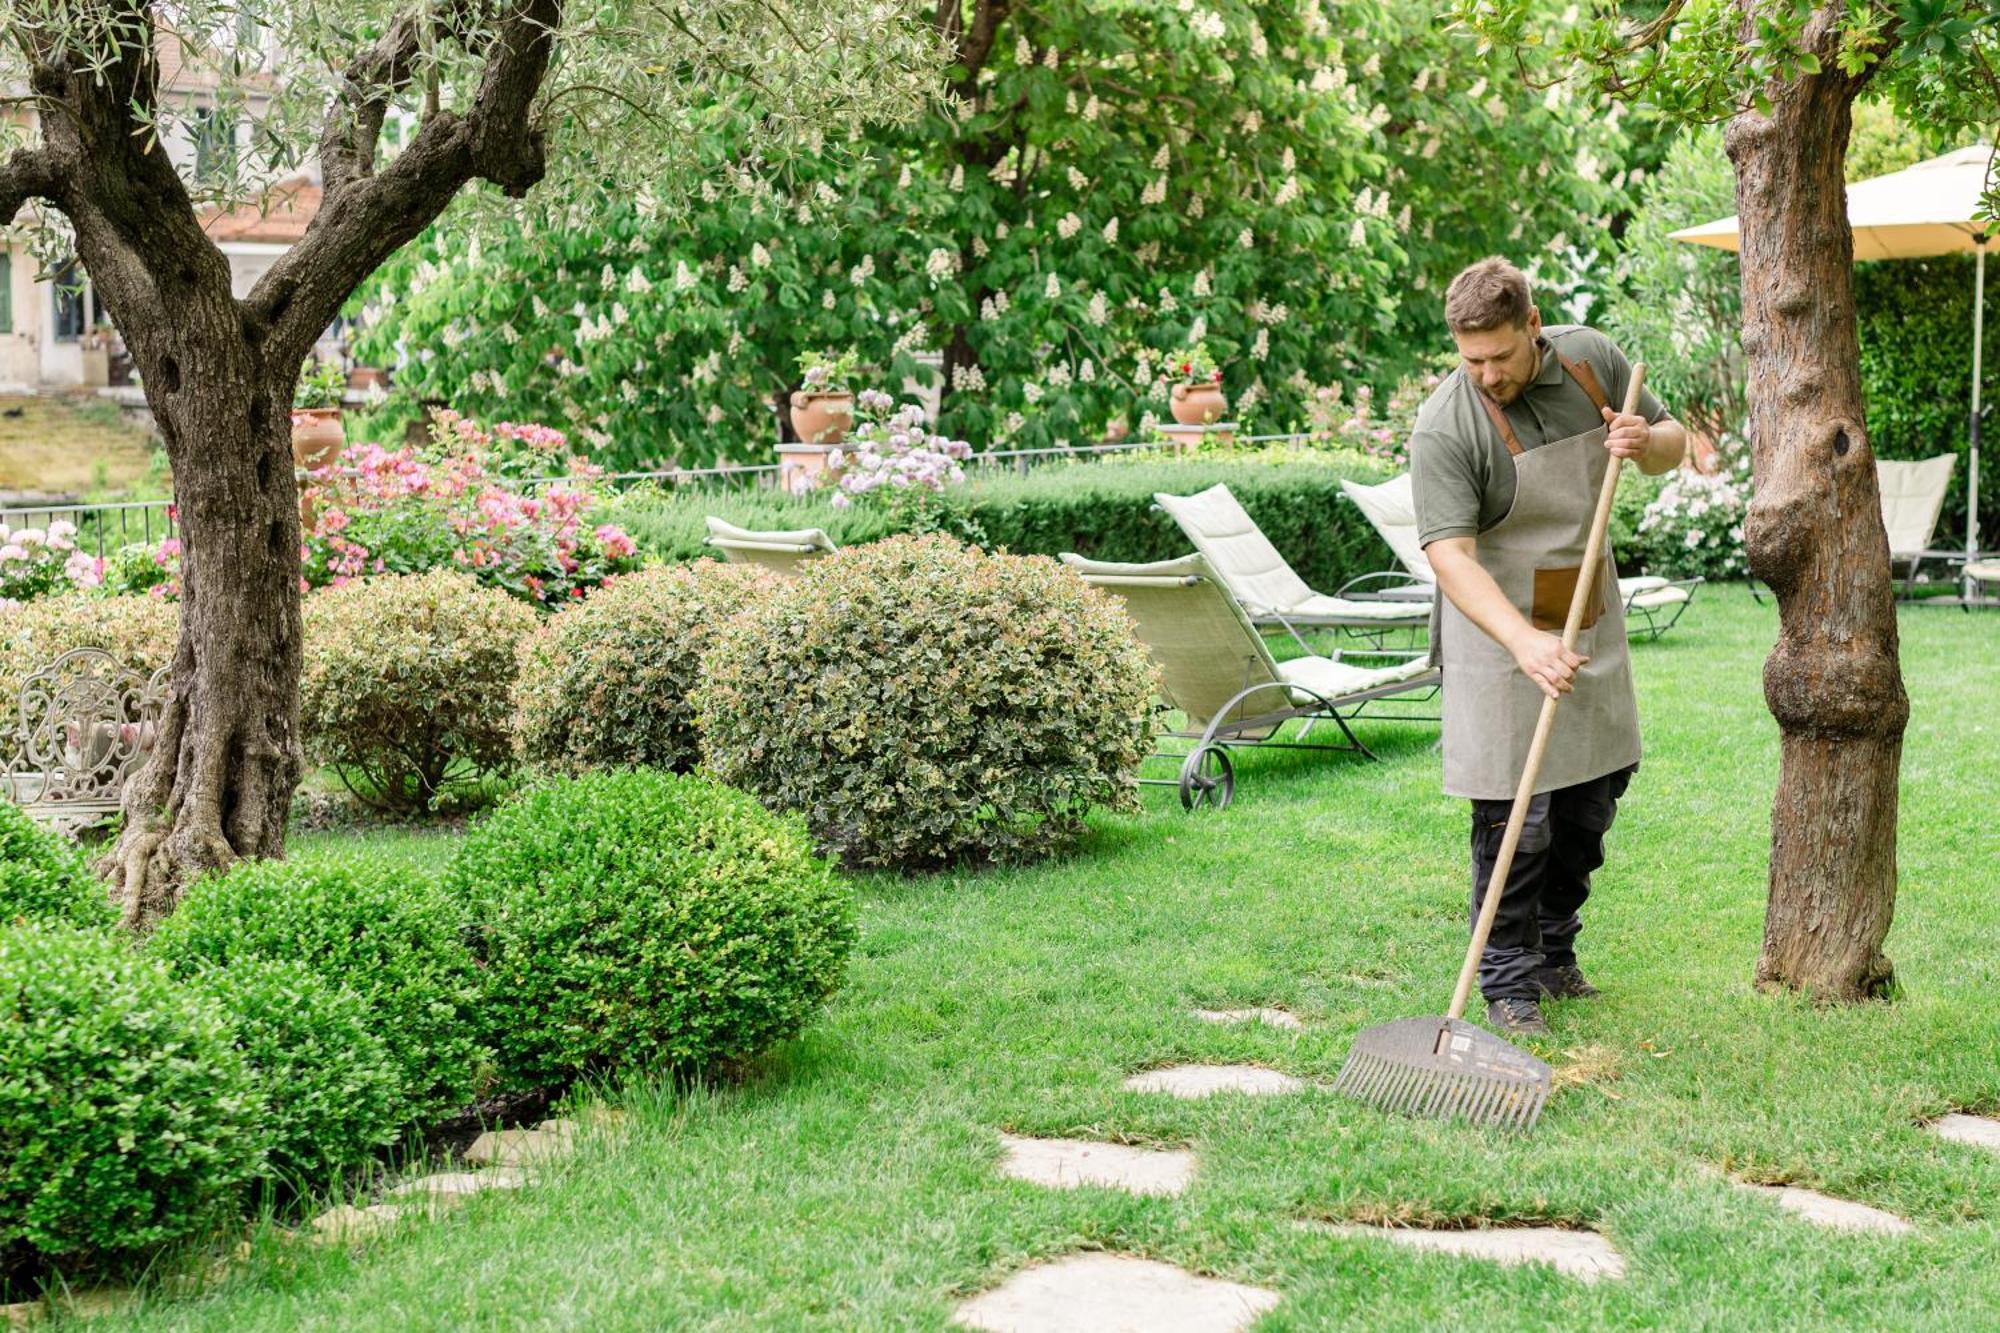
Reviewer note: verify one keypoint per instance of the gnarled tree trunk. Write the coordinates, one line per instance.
(1815, 535)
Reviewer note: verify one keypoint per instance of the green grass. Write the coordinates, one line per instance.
(852, 1184)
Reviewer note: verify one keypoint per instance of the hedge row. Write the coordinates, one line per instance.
(1104, 510)
(290, 1020)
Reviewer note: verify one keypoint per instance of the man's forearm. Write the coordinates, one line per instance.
(1664, 447)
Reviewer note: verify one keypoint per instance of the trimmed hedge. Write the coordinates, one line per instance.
(391, 936)
(923, 703)
(641, 920)
(331, 1091)
(141, 632)
(408, 681)
(128, 1118)
(1914, 318)
(43, 877)
(1099, 509)
(605, 683)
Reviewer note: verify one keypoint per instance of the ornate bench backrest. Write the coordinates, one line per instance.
(84, 724)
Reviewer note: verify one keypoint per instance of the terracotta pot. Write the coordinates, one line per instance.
(1116, 431)
(365, 378)
(317, 436)
(1198, 404)
(822, 418)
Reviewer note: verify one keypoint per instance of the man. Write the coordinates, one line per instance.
(1507, 459)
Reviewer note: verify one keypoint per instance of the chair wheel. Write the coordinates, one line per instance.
(1208, 779)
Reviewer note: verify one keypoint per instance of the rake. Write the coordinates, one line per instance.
(1444, 1066)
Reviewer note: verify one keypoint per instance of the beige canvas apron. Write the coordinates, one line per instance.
(1535, 554)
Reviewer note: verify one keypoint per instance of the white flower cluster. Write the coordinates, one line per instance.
(862, 271)
(1068, 225)
(894, 450)
(1155, 191)
(1208, 25)
(1077, 180)
(941, 264)
(967, 379)
(1097, 312)
(1111, 232)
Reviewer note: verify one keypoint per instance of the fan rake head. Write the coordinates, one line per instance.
(1445, 1067)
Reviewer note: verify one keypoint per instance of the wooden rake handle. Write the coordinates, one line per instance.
(1586, 586)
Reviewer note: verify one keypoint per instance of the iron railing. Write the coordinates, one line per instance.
(103, 528)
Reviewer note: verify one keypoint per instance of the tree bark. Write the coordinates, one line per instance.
(1815, 534)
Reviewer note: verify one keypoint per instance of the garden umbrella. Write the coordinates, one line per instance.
(1929, 209)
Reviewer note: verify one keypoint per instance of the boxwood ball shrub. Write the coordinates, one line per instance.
(923, 703)
(43, 876)
(642, 920)
(407, 682)
(128, 1118)
(393, 938)
(605, 684)
(331, 1092)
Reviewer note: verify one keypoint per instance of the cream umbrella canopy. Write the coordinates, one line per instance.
(1929, 209)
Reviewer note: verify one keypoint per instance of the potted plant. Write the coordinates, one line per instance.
(1196, 400)
(823, 407)
(317, 434)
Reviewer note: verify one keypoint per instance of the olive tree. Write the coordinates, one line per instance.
(400, 105)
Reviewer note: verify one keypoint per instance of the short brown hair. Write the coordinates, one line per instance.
(1487, 295)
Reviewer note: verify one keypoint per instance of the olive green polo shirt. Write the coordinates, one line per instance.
(1461, 475)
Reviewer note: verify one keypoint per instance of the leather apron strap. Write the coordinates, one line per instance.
(1579, 371)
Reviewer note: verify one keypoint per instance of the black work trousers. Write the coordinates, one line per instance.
(1561, 844)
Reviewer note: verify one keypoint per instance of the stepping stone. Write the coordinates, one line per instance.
(1113, 1293)
(1276, 1018)
(1195, 1081)
(520, 1147)
(1978, 1130)
(1583, 1255)
(463, 1182)
(1068, 1163)
(1826, 1211)
(347, 1224)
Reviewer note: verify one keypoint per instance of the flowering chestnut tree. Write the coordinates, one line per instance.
(401, 106)
(1291, 183)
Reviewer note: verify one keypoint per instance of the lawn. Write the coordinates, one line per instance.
(851, 1183)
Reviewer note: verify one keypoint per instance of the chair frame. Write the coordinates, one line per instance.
(83, 725)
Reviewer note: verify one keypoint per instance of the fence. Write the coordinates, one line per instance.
(103, 528)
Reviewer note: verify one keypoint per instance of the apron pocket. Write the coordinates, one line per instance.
(1553, 590)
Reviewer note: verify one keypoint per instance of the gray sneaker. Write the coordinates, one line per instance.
(1517, 1018)
(1564, 982)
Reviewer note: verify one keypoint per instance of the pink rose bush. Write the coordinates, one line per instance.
(449, 505)
(39, 561)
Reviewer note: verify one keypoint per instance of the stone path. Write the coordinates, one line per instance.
(1068, 1163)
(1276, 1018)
(1195, 1081)
(1978, 1130)
(1583, 1255)
(1826, 1211)
(1111, 1293)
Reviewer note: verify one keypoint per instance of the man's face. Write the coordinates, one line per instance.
(1501, 361)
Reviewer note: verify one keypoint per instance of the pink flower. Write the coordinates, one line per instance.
(169, 551)
(616, 544)
(84, 570)
(333, 520)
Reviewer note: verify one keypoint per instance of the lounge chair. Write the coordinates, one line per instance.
(783, 550)
(1977, 574)
(1218, 671)
(1243, 558)
(1912, 498)
(1651, 601)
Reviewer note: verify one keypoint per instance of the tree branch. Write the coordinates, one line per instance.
(28, 174)
(374, 213)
